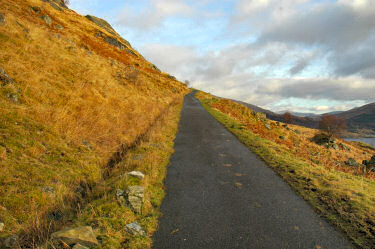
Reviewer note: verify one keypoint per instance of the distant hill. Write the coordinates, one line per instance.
(358, 119)
(303, 121)
(299, 114)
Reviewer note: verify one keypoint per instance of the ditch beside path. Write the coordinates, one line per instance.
(220, 195)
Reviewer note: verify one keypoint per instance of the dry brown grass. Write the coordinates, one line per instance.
(73, 113)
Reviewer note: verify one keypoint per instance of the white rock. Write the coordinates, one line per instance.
(137, 174)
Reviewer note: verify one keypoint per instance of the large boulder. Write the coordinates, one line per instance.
(58, 3)
(80, 235)
(135, 229)
(102, 23)
(47, 19)
(135, 196)
(370, 163)
(136, 174)
(4, 77)
(351, 162)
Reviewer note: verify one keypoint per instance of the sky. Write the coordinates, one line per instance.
(298, 55)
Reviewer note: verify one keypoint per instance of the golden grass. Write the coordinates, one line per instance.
(343, 195)
(79, 101)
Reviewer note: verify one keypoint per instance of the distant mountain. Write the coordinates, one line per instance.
(303, 121)
(299, 114)
(333, 113)
(360, 118)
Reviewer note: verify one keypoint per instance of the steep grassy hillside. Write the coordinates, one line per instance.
(340, 189)
(74, 96)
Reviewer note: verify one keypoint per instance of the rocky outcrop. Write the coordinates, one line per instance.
(325, 140)
(136, 174)
(135, 196)
(81, 235)
(102, 23)
(120, 197)
(135, 229)
(116, 43)
(4, 77)
(2, 19)
(57, 4)
(351, 162)
(152, 66)
(47, 19)
(369, 163)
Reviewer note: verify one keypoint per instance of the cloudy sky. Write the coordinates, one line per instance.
(300, 55)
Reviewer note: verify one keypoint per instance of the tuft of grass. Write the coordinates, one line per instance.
(344, 197)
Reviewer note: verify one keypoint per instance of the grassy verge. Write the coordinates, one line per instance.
(151, 156)
(345, 199)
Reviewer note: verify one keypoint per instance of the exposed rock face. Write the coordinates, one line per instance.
(171, 77)
(58, 3)
(120, 197)
(2, 19)
(81, 235)
(79, 246)
(351, 162)
(135, 229)
(325, 140)
(47, 19)
(135, 196)
(102, 23)
(268, 126)
(152, 66)
(369, 163)
(122, 45)
(4, 77)
(136, 174)
(59, 27)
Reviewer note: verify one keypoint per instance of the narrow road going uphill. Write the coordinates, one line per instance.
(220, 195)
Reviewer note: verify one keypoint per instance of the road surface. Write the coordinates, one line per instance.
(220, 195)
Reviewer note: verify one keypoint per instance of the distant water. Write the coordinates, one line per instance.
(367, 140)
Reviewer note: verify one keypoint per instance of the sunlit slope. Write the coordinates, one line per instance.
(78, 93)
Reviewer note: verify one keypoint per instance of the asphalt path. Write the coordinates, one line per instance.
(220, 195)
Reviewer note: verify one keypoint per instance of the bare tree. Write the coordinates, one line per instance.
(65, 2)
(332, 125)
(187, 83)
(287, 117)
